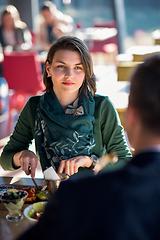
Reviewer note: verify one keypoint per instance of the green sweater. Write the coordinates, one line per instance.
(108, 132)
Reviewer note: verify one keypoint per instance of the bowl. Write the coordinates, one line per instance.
(33, 206)
(26, 211)
(52, 185)
(13, 200)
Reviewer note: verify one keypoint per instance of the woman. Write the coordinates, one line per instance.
(14, 32)
(71, 125)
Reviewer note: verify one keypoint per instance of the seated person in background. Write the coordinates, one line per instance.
(69, 122)
(121, 204)
(55, 24)
(14, 32)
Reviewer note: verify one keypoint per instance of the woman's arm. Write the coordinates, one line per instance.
(27, 160)
(22, 136)
(109, 133)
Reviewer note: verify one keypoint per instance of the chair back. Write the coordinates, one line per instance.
(22, 72)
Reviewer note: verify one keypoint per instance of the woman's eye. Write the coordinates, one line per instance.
(78, 68)
(60, 66)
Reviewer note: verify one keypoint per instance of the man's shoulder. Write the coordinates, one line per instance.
(147, 156)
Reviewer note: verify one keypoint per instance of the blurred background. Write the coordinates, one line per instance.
(141, 17)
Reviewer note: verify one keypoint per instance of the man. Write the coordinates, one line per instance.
(55, 25)
(122, 204)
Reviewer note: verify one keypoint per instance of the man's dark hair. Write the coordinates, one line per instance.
(145, 92)
(50, 6)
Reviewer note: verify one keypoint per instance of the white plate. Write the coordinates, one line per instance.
(26, 211)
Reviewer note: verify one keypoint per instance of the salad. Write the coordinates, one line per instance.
(37, 210)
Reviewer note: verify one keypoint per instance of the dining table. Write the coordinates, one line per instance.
(141, 52)
(12, 230)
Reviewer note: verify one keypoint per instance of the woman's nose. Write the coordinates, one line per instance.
(69, 73)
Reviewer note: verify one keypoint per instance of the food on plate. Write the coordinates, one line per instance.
(37, 210)
(34, 194)
(31, 194)
(43, 195)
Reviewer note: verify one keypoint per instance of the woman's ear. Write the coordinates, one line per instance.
(48, 69)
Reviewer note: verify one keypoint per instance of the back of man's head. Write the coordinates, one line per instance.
(145, 93)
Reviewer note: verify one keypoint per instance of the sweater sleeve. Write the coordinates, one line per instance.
(22, 135)
(112, 132)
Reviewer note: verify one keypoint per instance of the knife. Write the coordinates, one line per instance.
(103, 161)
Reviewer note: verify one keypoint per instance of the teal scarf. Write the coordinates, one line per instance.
(60, 136)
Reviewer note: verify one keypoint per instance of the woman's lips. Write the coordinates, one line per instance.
(68, 83)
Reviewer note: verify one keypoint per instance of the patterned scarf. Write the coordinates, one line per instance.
(59, 135)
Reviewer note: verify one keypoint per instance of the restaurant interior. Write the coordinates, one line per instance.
(119, 35)
(114, 37)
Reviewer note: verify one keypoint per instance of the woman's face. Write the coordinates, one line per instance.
(66, 72)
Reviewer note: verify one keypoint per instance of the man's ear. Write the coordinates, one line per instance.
(131, 118)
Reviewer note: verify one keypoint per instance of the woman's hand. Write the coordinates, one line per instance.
(27, 160)
(70, 166)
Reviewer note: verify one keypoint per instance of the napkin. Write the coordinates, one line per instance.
(50, 174)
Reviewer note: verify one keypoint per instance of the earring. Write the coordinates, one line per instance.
(48, 75)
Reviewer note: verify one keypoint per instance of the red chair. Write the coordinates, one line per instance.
(22, 72)
(24, 77)
(97, 46)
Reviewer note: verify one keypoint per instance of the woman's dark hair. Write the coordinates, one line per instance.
(12, 10)
(73, 44)
(145, 92)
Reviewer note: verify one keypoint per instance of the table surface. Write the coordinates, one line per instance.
(141, 50)
(96, 33)
(10, 230)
